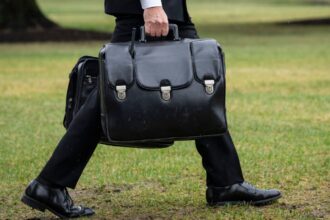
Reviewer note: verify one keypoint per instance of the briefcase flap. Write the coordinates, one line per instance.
(206, 59)
(158, 64)
(118, 64)
(163, 64)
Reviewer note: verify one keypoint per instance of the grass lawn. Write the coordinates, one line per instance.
(278, 110)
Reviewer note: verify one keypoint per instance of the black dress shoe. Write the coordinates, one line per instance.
(240, 193)
(56, 200)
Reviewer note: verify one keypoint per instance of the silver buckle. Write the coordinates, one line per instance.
(209, 86)
(166, 92)
(121, 92)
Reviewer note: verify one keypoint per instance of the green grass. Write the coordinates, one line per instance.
(278, 103)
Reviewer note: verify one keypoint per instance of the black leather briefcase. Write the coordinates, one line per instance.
(82, 80)
(166, 90)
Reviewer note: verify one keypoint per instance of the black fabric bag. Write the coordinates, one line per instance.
(165, 90)
(82, 80)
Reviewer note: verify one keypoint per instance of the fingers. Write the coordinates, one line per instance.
(150, 29)
(165, 30)
(147, 28)
(156, 22)
(157, 29)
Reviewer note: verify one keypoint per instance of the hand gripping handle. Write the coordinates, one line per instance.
(173, 28)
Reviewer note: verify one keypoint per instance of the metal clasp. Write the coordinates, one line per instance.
(121, 92)
(166, 92)
(89, 79)
(209, 86)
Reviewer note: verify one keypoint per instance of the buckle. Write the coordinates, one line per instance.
(166, 92)
(209, 86)
(121, 92)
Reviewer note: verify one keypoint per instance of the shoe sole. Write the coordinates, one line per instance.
(38, 205)
(256, 203)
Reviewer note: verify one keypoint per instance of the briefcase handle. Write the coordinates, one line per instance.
(173, 28)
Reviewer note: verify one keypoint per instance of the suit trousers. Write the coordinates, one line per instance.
(64, 168)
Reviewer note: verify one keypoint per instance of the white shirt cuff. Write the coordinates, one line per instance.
(150, 3)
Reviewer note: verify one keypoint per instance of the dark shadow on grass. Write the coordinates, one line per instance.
(74, 35)
(258, 29)
(308, 22)
(52, 35)
(317, 2)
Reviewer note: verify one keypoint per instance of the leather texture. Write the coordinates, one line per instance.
(143, 115)
(240, 193)
(83, 80)
(56, 200)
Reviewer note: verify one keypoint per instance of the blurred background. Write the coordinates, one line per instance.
(278, 101)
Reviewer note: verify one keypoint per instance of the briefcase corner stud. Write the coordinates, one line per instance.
(209, 86)
(121, 92)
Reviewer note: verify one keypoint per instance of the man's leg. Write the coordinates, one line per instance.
(220, 160)
(219, 155)
(223, 170)
(66, 164)
(73, 152)
(76, 147)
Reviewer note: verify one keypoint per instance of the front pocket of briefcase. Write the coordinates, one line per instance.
(144, 115)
